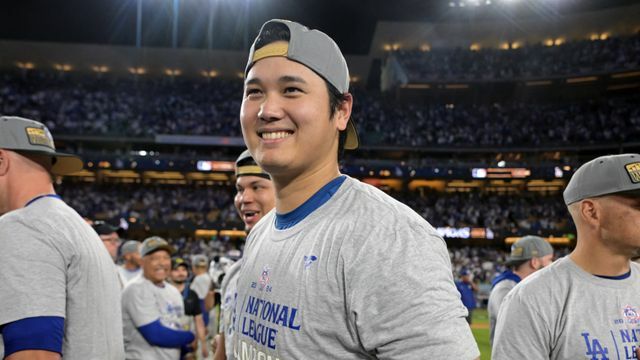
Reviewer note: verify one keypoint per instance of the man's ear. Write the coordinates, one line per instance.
(4, 162)
(343, 112)
(590, 212)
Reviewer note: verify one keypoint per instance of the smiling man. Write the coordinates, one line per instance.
(340, 270)
(255, 197)
(585, 305)
(152, 309)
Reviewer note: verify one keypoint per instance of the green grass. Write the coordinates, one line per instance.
(481, 318)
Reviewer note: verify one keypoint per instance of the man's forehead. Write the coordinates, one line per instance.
(280, 69)
(247, 180)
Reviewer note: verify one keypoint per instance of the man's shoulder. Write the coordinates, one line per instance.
(373, 203)
(544, 284)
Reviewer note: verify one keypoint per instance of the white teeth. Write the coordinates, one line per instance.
(275, 135)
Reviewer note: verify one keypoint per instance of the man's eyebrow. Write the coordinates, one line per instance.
(253, 81)
(290, 78)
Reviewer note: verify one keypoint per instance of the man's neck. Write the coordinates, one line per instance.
(293, 192)
(131, 266)
(595, 258)
(179, 286)
(23, 194)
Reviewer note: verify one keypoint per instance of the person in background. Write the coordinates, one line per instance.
(109, 236)
(528, 255)
(180, 279)
(467, 289)
(153, 309)
(132, 261)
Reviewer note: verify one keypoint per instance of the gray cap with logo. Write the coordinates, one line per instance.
(32, 137)
(155, 243)
(313, 49)
(529, 247)
(129, 247)
(603, 176)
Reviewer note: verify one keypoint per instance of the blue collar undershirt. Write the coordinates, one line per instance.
(290, 219)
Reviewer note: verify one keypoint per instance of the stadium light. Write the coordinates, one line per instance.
(604, 36)
(62, 67)
(100, 69)
(548, 42)
(425, 47)
(25, 65)
(138, 70)
(504, 46)
(355, 79)
(516, 45)
(209, 74)
(474, 47)
(172, 72)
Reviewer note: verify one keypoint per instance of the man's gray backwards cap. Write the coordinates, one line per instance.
(31, 137)
(315, 50)
(603, 176)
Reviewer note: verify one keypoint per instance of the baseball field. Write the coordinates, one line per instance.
(480, 328)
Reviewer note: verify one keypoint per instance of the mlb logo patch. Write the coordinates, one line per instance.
(633, 170)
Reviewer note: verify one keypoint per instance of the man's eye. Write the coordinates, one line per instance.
(292, 89)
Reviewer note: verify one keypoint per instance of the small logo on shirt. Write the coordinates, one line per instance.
(631, 314)
(264, 277)
(308, 260)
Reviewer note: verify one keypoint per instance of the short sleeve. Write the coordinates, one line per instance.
(140, 304)
(520, 331)
(201, 285)
(402, 298)
(33, 270)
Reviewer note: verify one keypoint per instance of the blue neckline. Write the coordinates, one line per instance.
(55, 196)
(290, 219)
(618, 277)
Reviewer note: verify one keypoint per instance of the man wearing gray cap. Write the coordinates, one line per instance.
(131, 267)
(60, 291)
(340, 270)
(528, 255)
(153, 309)
(585, 305)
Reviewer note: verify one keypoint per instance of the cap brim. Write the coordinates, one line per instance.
(168, 248)
(65, 164)
(61, 163)
(351, 142)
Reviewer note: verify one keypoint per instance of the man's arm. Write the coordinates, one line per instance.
(410, 307)
(34, 355)
(520, 330)
(201, 334)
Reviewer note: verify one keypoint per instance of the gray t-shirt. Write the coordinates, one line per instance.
(563, 312)
(228, 295)
(143, 302)
(52, 263)
(201, 284)
(495, 300)
(362, 277)
(127, 275)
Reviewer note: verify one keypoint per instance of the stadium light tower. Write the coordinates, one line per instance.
(176, 14)
(139, 24)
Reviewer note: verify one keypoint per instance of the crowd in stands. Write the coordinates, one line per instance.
(202, 206)
(128, 108)
(526, 62)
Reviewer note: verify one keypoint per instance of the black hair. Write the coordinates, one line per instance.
(272, 32)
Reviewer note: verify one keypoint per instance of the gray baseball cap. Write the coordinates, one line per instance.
(529, 247)
(315, 50)
(200, 260)
(603, 176)
(32, 137)
(129, 247)
(155, 243)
